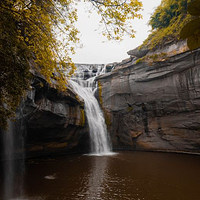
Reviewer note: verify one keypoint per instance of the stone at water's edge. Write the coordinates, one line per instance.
(154, 107)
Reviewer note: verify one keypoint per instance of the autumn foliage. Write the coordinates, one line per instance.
(43, 32)
(166, 22)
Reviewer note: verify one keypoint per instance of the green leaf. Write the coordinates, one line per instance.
(193, 42)
(194, 8)
(190, 28)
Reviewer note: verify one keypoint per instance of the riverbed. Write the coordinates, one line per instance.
(124, 175)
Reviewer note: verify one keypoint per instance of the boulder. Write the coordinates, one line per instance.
(138, 52)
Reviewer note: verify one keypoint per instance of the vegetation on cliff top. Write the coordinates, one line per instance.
(43, 32)
(167, 21)
(191, 31)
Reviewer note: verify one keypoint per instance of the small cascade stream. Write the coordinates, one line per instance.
(14, 166)
(100, 142)
(8, 138)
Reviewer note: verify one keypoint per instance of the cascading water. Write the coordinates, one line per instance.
(100, 144)
(13, 163)
(9, 163)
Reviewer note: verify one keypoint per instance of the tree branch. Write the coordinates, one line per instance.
(110, 5)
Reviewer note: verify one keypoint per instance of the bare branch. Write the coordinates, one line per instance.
(110, 5)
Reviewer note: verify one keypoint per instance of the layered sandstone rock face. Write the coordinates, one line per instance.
(154, 106)
(52, 122)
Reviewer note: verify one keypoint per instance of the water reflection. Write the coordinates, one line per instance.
(127, 175)
(96, 179)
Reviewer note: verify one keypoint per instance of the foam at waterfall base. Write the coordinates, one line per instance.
(50, 177)
(101, 154)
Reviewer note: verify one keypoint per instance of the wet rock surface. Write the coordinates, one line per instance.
(154, 107)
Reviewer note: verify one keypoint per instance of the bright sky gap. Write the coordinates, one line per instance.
(96, 48)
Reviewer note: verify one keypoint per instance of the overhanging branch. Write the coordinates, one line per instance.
(110, 5)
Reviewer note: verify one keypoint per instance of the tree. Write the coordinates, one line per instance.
(191, 31)
(166, 21)
(167, 11)
(43, 32)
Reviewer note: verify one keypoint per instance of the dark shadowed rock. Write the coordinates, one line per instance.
(52, 122)
(110, 66)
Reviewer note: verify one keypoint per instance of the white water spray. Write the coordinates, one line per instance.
(100, 144)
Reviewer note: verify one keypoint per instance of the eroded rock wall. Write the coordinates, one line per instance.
(154, 107)
(52, 122)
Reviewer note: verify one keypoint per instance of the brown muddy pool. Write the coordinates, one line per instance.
(123, 176)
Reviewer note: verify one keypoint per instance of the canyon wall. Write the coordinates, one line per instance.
(150, 106)
(153, 106)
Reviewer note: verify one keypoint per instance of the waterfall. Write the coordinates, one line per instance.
(99, 137)
(8, 140)
(14, 166)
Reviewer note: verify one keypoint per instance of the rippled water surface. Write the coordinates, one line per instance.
(126, 175)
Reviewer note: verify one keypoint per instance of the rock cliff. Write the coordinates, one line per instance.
(153, 106)
(52, 122)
